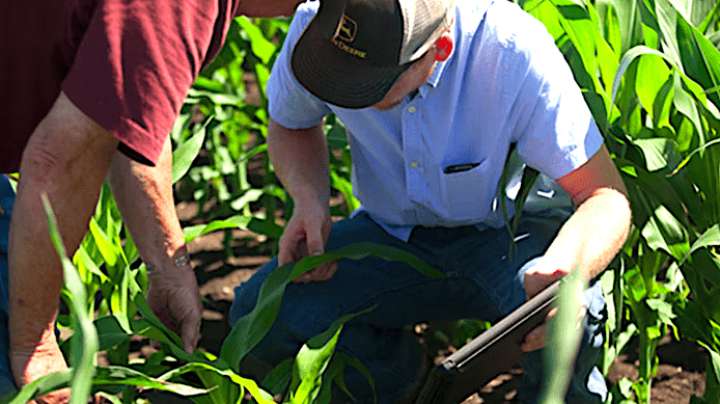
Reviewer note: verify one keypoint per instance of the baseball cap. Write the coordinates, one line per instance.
(352, 51)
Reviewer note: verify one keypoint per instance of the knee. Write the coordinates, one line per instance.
(246, 294)
(596, 315)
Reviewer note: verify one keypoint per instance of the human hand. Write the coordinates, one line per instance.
(175, 298)
(539, 276)
(306, 234)
(43, 359)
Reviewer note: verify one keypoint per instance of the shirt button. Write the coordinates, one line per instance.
(411, 109)
(414, 164)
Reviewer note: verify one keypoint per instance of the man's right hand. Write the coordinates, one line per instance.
(306, 234)
(31, 364)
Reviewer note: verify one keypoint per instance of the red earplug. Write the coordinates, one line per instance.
(443, 48)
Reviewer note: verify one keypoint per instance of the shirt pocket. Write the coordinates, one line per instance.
(465, 193)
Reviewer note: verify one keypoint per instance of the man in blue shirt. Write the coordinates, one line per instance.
(433, 94)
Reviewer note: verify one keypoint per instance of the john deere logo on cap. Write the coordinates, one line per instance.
(345, 35)
(346, 29)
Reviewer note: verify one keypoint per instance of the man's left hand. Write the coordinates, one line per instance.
(175, 298)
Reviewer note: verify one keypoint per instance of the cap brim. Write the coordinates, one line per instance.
(337, 77)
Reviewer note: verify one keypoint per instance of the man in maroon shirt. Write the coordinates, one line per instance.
(89, 89)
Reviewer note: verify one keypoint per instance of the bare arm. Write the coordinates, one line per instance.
(301, 162)
(144, 196)
(300, 159)
(67, 158)
(591, 237)
(264, 8)
(596, 231)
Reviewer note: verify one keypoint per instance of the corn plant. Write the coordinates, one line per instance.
(649, 71)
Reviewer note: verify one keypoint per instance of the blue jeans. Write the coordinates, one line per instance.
(7, 197)
(482, 281)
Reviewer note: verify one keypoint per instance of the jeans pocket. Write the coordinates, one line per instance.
(464, 192)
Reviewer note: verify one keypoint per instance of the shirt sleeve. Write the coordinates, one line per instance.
(555, 131)
(290, 104)
(136, 60)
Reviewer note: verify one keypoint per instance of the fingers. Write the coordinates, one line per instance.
(535, 339)
(306, 238)
(190, 333)
(287, 253)
(320, 274)
(315, 240)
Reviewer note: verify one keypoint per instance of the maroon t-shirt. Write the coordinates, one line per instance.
(127, 64)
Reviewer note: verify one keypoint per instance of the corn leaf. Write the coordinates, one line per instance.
(249, 330)
(185, 153)
(83, 351)
(313, 359)
(563, 341)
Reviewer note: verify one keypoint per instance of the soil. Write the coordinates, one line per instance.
(680, 373)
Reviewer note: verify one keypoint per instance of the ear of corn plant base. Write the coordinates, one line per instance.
(650, 72)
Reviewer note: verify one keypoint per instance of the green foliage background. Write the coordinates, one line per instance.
(650, 72)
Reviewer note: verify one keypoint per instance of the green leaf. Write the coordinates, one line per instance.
(185, 153)
(43, 385)
(81, 258)
(710, 238)
(261, 47)
(83, 351)
(251, 195)
(627, 60)
(664, 232)
(686, 106)
(635, 285)
(261, 396)
(313, 359)
(234, 222)
(712, 389)
(692, 154)
(250, 329)
(658, 152)
(700, 57)
(563, 341)
(362, 369)
(110, 333)
(122, 376)
(664, 309)
(104, 244)
(629, 18)
(153, 328)
(652, 73)
(278, 380)
(666, 19)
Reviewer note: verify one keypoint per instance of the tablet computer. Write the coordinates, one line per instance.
(491, 353)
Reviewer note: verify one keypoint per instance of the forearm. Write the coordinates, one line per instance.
(300, 159)
(145, 198)
(66, 158)
(593, 235)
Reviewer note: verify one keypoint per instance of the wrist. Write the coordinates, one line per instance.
(311, 202)
(176, 260)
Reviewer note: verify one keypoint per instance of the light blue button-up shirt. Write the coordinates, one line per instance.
(505, 82)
